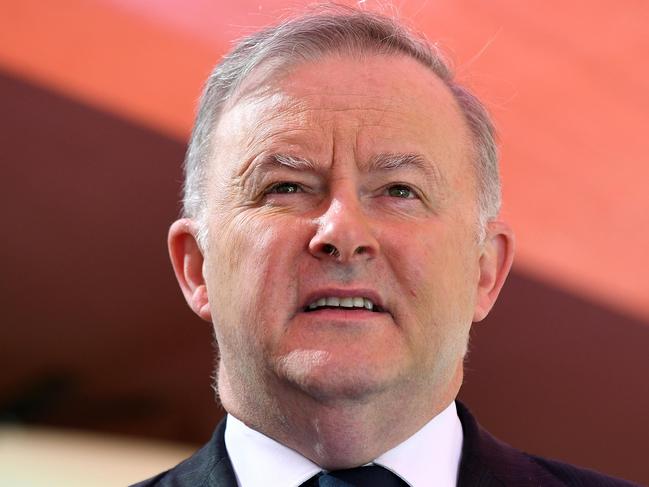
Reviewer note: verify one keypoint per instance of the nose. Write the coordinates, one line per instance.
(344, 233)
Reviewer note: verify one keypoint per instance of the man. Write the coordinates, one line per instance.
(341, 232)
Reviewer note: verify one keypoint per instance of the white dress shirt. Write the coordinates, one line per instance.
(430, 457)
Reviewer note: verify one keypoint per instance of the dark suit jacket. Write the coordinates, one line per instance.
(486, 462)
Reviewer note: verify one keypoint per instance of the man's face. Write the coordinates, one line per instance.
(345, 182)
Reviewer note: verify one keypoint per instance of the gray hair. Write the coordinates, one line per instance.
(331, 29)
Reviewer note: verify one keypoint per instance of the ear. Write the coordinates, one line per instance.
(495, 262)
(187, 261)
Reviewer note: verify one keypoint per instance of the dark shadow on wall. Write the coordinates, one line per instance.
(94, 330)
(95, 334)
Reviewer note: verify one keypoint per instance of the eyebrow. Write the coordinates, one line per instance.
(271, 161)
(291, 162)
(392, 161)
(387, 161)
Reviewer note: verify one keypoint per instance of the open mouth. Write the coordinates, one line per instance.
(346, 303)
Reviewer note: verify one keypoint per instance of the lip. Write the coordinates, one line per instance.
(344, 293)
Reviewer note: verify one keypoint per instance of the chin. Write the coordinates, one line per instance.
(318, 374)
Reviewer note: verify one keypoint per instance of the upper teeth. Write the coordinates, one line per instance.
(355, 302)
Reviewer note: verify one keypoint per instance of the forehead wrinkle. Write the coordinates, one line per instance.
(264, 137)
(291, 109)
(281, 123)
(335, 101)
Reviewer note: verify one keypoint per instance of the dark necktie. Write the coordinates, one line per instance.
(370, 476)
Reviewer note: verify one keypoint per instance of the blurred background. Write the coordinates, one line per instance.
(106, 374)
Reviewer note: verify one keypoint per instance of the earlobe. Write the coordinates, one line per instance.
(495, 262)
(187, 261)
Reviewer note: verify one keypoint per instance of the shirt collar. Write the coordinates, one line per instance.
(429, 457)
(432, 455)
(258, 460)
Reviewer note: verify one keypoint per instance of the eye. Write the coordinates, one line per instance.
(284, 188)
(401, 191)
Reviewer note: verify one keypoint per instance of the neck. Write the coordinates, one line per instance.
(340, 433)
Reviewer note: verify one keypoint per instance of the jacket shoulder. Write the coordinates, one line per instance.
(488, 462)
(578, 476)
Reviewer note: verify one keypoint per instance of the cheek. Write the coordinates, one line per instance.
(437, 274)
(253, 258)
(236, 266)
(244, 244)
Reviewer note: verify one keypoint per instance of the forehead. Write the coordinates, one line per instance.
(368, 104)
